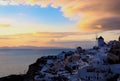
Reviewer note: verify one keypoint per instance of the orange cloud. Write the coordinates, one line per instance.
(34, 39)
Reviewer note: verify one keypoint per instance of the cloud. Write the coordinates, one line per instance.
(55, 34)
(4, 25)
(5, 38)
(73, 44)
(46, 39)
(110, 23)
(41, 35)
(91, 15)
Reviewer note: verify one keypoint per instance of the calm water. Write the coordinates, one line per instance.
(17, 61)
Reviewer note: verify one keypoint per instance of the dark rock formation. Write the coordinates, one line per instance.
(34, 68)
(13, 78)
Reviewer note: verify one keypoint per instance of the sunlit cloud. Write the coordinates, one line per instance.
(89, 14)
(4, 25)
(40, 39)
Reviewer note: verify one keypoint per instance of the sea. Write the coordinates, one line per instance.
(16, 61)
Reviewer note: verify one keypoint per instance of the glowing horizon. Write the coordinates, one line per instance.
(57, 23)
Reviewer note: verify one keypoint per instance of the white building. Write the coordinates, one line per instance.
(97, 73)
(101, 41)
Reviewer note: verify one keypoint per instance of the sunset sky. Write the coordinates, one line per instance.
(58, 23)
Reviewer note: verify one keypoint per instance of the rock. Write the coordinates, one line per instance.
(13, 78)
(33, 70)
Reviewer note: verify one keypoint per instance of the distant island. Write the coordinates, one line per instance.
(32, 47)
(100, 63)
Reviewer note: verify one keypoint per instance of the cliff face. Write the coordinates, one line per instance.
(34, 69)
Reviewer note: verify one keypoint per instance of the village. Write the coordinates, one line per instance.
(101, 63)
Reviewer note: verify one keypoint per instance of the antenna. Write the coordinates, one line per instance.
(96, 36)
(119, 39)
(96, 39)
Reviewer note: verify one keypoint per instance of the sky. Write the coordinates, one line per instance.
(58, 23)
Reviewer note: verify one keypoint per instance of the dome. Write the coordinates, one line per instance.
(100, 37)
